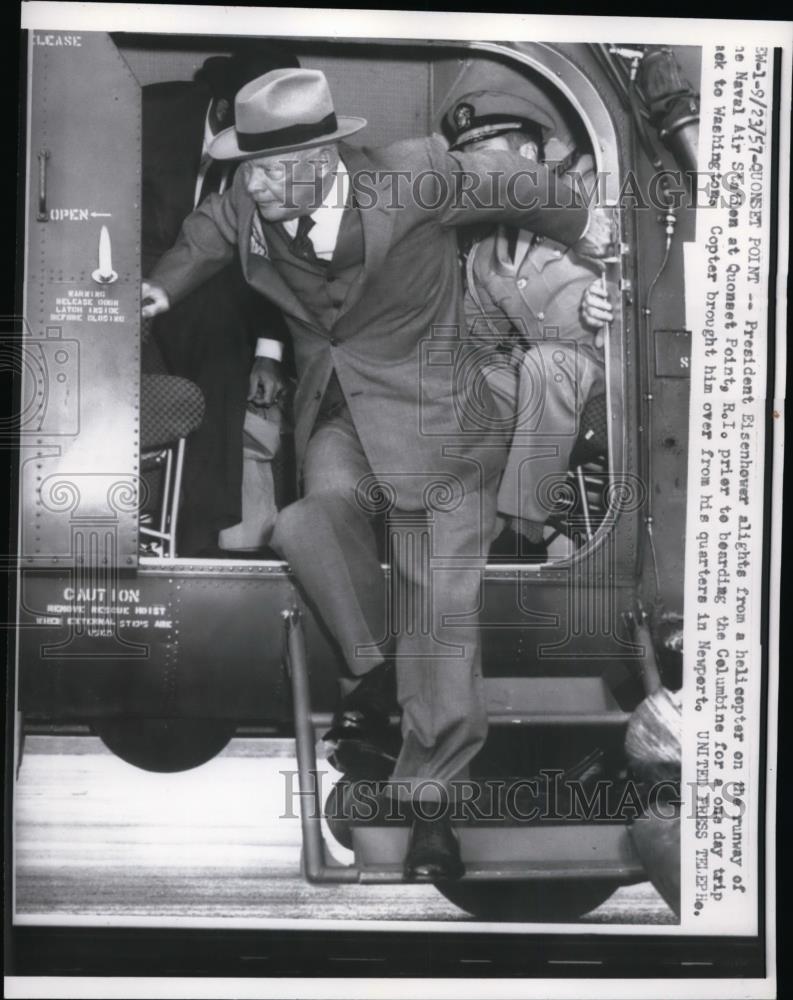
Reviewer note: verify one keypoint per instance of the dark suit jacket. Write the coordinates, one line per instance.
(210, 337)
(398, 342)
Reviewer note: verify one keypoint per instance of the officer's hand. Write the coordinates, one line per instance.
(154, 300)
(596, 309)
(599, 236)
(266, 384)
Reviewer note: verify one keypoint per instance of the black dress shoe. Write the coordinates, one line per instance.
(359, 758)
(358, 743)
(434, 851)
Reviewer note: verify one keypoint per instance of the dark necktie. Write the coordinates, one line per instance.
(300, 245)
(512, 241)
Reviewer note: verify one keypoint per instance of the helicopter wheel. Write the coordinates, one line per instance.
(529, 901)
(335, 815)
(164, 745)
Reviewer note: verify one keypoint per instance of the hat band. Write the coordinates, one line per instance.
(252, 142)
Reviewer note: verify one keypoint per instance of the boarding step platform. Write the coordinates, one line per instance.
(596, 856)
(539, 853)
(546, 701)
(552, 701)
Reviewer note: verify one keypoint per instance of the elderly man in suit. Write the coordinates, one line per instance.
(210, 337)
(358, 248)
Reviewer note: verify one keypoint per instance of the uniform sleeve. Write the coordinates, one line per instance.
(484, 316)
(505, 187)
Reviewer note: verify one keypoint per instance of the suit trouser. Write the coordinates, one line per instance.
(261, 441)
(429, 611)
(545, 388)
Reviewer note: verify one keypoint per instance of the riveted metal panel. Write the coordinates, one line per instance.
(80, 343)
(201, 642)
(205, 640)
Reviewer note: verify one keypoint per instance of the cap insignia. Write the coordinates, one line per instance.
(463, 114)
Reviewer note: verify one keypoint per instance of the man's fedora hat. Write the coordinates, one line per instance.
(282, 111)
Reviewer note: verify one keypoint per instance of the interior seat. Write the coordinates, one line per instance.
(171, 408)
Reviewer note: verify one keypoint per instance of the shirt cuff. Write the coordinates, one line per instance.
(269, 349)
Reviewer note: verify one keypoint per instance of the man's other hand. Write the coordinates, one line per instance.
(266, 384)
(596, 310)
(154, 300)
(598, 239)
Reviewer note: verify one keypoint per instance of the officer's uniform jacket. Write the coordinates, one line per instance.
(533, 294)
(403, 297)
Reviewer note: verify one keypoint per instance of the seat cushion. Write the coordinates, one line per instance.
(592, 442)
(170, 408)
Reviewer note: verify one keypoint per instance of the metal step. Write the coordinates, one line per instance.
(540, 851)
(552, 701)
(546, 701)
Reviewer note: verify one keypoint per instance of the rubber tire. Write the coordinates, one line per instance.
(528, 901)
(164, 745)
(340, 829)
(657, 842)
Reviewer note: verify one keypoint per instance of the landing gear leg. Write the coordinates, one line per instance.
(316, 865)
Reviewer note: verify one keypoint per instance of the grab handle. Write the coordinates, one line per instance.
(42, 215)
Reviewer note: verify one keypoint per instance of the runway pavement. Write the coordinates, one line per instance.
(97, 839)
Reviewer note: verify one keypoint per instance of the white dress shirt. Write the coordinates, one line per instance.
(324, 235)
